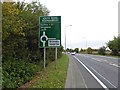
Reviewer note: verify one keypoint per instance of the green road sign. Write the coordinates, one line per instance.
(50, 31)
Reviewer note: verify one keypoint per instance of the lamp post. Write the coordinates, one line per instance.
(65, 36)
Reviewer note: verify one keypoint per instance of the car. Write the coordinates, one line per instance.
(73, 53)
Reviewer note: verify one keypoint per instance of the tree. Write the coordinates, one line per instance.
(67, 50)
(114, 45)
(101, 50)
(89, 50)
(71, 50)
(12, 30)
(31, 13)
(76, 50)
(81, 50)
(20, 25)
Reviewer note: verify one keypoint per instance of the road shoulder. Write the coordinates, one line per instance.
(74, 76)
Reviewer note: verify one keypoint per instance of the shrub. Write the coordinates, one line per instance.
(101, 50)
(17, 72)
(89, 50)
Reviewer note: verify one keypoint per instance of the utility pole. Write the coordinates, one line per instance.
(65, 36)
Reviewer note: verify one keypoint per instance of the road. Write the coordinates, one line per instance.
(92, 71)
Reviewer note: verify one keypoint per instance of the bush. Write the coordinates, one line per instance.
(101, 50)
(17, 72)
(114, 46)
(89, 50)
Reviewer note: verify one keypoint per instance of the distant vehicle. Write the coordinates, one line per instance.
(73, 53)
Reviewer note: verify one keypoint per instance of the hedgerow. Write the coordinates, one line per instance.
(17, 72)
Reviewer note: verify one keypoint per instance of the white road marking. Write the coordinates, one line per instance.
(99, 81)
(83, 79)
(114, 65)
(102, 60)
(96, 59)
(103, 77)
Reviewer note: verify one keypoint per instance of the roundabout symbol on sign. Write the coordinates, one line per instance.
(43, 39)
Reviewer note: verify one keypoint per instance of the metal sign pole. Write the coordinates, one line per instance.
(44, 57)
(56, 57)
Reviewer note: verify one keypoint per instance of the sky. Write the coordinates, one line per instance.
(94, 22)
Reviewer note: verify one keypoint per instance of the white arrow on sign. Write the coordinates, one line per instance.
(41, 38)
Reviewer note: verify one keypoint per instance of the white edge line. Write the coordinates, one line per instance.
(103, 77)
(83, 79)
(100, 82)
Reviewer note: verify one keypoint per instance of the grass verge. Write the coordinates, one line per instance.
(51, 77)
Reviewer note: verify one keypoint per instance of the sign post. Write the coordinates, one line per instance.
(50, 34)
(56, 57)
(44, 57)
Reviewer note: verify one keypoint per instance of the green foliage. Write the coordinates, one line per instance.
(17, 72)
(81, 50)
(0, 76)
(20, 29)
(20, 25)
(59, 52)
(20, 42)
(67, 50)
(54, 78)
(114, 45)
(11, 23)
(71, 50)
(50, 54)
(76, 50)
(89, 50)
(101, 50)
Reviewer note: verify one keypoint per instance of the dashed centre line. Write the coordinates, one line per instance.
(102, 60)
(99, 81)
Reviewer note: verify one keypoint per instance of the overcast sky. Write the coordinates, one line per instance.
(94, 22)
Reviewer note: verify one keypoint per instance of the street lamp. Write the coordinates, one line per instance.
(65, 36)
